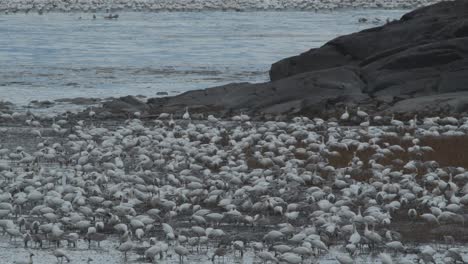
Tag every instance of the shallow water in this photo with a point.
(59, 55)
(107, 253)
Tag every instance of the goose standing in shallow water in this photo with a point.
(355, 237)
(219, 252)
(25, 261)
(345, 259)
(182, 252)
(303, 187)
(126, 247)
(60, 255)
(385, 258)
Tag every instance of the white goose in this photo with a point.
(345, 115)
(361, 113)
(25, 261)
(186, 115)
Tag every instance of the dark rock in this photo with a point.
(328, 56)
(124, 105)
(310, 92)
(439, 103)
(79, 100)
(41, 104)
(5, 105)
(162, 93)
(418, 63)
(424, 53)
(132, 100)
(438, 22)
(419, 70)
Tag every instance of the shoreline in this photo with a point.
(201, 6)
(325, 163)
(341, 73)
(256, 10)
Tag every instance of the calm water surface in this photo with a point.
(60, 55)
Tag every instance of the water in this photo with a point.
(59, 55)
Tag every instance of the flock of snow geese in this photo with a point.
(43, 6)
(286, 192)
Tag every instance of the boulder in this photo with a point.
(310, 92)
(5, 105)
(442, 21)
(437, 67)
(123, 105)
(439, 103)
(41, 104)
(79, 100)
(416, 64)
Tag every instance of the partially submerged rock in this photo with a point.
(304, 92)
(5, 105)
(410, 65)
(41, 104)
(80, 100)
(423, 56)
(124, 105)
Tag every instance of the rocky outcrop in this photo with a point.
(123, 106)
(422, 32)
(431, 104)
(407, 65)
(308, 91)
(5, 105)
(424, 54)
(79, 100)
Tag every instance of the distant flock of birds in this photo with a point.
(45, 6)
(177, 187)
